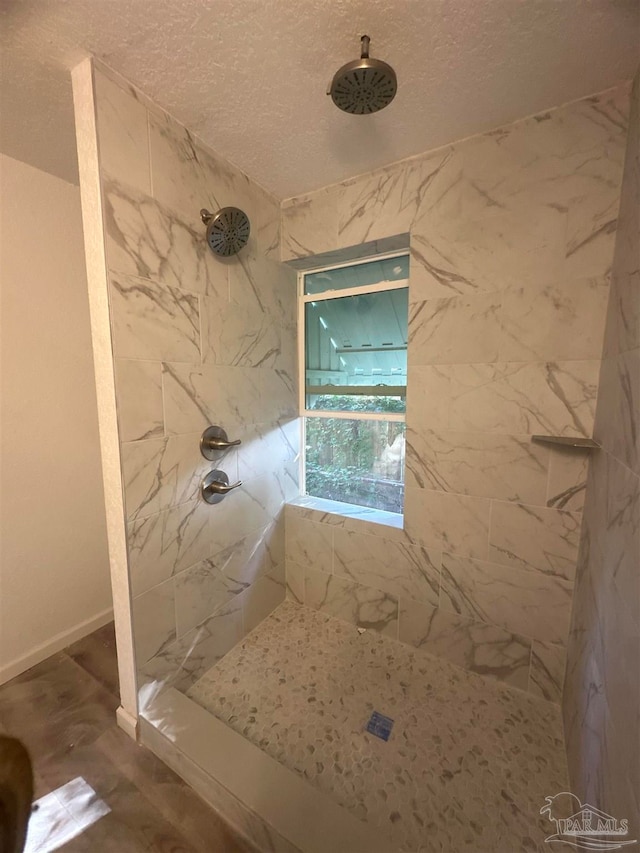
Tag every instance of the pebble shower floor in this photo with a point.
(468, 763)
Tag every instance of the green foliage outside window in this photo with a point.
(356, 461)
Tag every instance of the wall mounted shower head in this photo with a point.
(227, 230)
(365, 85)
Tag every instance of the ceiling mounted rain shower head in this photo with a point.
(227, 230)
(365, 85)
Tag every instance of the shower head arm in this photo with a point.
(364, 50)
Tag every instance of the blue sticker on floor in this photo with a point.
(380, 726)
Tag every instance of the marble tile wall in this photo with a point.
(197, 340)
(602, 686)
(512, 239)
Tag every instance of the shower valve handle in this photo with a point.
(215, 486)
(222, 488)
(221, 444)
(214, 441)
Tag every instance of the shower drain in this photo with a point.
(380, 726)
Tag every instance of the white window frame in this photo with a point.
(303, 299)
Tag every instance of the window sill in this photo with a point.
(361, 513)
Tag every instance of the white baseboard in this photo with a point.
(55, 644)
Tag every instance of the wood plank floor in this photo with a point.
(63, 710)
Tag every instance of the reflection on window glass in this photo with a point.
(356, 352)
(356, 461)
(373, 272)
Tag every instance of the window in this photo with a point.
(353, 384)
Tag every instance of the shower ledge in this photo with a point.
(582, 443)
(362, 513)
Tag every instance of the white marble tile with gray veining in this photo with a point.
(351, 602)
(507, 467)
(428, 396)
(388, 201)
(626, 253)
(257, 283)
(561, 320)
(568, 469)
(151, 241)
(185, 176)
(476, 646)
(623, 526)
(188, 176)
(123, 133)
(622, 332)
(547, 670)
(154, 321)
(395, 244)
(551, 398)
(568, 155)
(195, 397)
(385, 202)
(260, 552)
(153, 621)
(623, 318)
(309, 543)
(267, 446)
(266, 224)
(618, 406)
(538, 538)
(200, 591)
(139, 399)
(595, 513)
(233, 335)
(310, 224)
(614, 543)
(163, 544)
(165, 472)
(455, 330)
(465, 241)
(360, 519)
(398, 568)
(261, 598)
(288, 480)
(501, 217)
(591, 232)
(584, 695)
(183, 661)
(523, 602)
(294, 575)
(252, 507)
(454, 523)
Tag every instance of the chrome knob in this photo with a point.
(214, 442)
(215, 487)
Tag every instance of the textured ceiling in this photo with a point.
(250, 76)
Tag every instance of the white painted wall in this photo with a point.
(54, 568)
